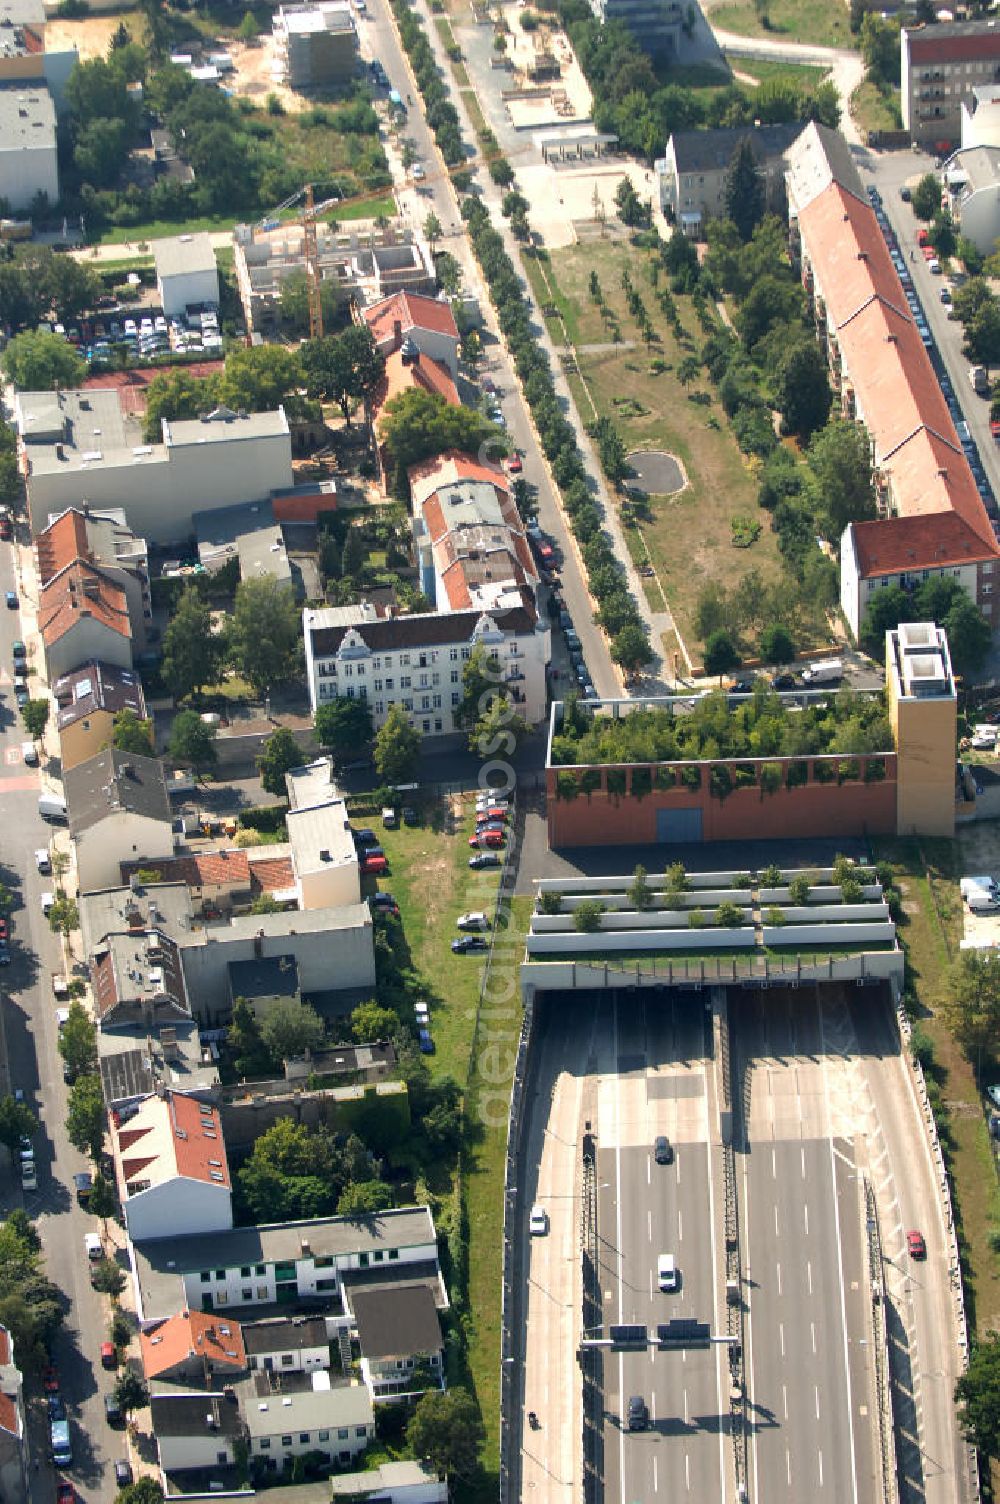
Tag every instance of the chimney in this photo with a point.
(258, 945)
(397, 333)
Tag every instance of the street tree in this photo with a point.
(145, 1490)
(969, 298)
(397, 747)
(42, 362)
(942, 234)
(281, 754)
(78, 1041)
(17, 1121)
(482, 683)
(131, 1391)
(35, 715)
(191, 653)
(982, 335)
(343, 727)
(445, 1430)
(743, 192)
(841, 477)
(176, 394)
(362, 1198)
(30, 1305)
(498, 731)
(107, 1278)
(977, 1394)
(343, 368)
(969, 635)
(85, 1116)
(262, 634)
(370, 1021)
(925, 200)
(290, 1028)
(776, 645)
(102, 1202)
(721, 654)
(131, 733)
(64, 916)
(630, 648)
(192, 741)
(432, 230)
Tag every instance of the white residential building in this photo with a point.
(417, 661)
(119, 811)
(336, 1420)
(196, 1431)
(28, 158)
(981, 117)
(428, 322)
(81, 446)
(171, 1168)
(392, 1483)
(186, 273)
(324, 856)
(290, 1344)
(972, 178)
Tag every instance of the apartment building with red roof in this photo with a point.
(102, 538)
(83, 617)
(171, 1168)
(193, 1345)
(932, 520)
(428, 323)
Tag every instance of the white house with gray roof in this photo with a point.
(186, 273)
(335, 1419)
(119, 811)
(28, 160)
(972, 178)
(692, 172)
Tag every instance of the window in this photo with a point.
(437, 701)
(453, 654)
(377, 686)
(404, 660)
(394, 1253)
(455, 699)
(342, 1433)
(424, 681)
(388, 684)
(265, 1443)
(376, 663)
(435, 678)
(286, 1441)
(326, 1262)
(304, 1437)
(378, 1256)
(466, 654)
(425, 727)
(454, 676)
(348, 670)
(407, 704)
(425, 702)
(246, 1293)
(205, 1276)
(405, 681)
(245, 1272)
(261, 1292)
(221, 1298)
(361, 1430)
(380, 707)
(437, 724)
(287, 1359)
(350, 691)
(222, 1458)
(362, 692)
(220, 1273)
(322, 1435)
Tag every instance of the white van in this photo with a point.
(829, 672)
(29, 754)
(92, 1243)
(666, 1272)
(980, 884)
(52, 807)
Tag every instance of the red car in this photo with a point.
(485, 816)
(374, 864)
(3, 930)
(515, 465)
(492, 838)
(108, 1356)
(916, 1245)
(50, 1380)
(65, 1493)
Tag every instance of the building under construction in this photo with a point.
(362, 261)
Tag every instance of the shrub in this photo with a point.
(590, 780)
(798, 889)
(743, 880)
(797, 775)
(616, 781)
(720, 782)
(922, 1048)
(691, 778)
(587, 916)
(665, 778)
(549, 902)
(696, 919)
(770, 877)
(728, 916)
(567, 786)
(774, 916)
(770, 778)
(642, 782)
(677, 879)
(851, 890)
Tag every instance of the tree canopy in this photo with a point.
(295, 1173)
(344, 368)
(445, 1430)
(417, 424)
(85, 1115)
(262, 633)
(78, 1041)
(192, 741)
(743, 190)
(30, 1304)
(343, 726)
(842, 476)
(290, 1028)
(397, 747)
(191, 654)
(281, 754)
(130, 733)
(41, 362)
(977, 1394)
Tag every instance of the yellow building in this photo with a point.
(923, 711)
(87, 701)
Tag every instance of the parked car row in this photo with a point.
(152, 335)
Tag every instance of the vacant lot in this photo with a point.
(432, 883)
(875, 110)
(688, 536)
(816, 21)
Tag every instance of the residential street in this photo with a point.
(32, 1062)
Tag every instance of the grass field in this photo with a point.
(217, 224)
(928, 878)
(432, 883)
(772, 70)
(875, 111)
(655, 411)
(814, 21)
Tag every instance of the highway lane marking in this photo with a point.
(649, 1224)
(687, 1471)
(843, 1294)
(805, 1212)
(809, 1274)
(788, 1466)
(680, 1226)
(802, 1162)
(778, 1267)
(775, 1220)
(686, 1420)
(820, 1455)
(784, 1400)
(781, 1336)
(812, 1332)
(816, 1394)
(774, 1164)
(656, 1479)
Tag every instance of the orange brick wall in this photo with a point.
(814, 809)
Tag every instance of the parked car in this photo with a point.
(57, 1410)
(365, 837)
(493, 838)
(410, 815)
(11, 600)
(123, 1473)
(65, 1492)
(374, 866)
(18, 650)
(50, 1379)
(43, 861)
(383, 901)
(109, 1358)
(783, 682)
(466, 943)
(515, 464)
(484, 859)
(112, 1410)
(474, 920)
(915, 1244)
(425, 1042)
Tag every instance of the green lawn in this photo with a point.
(876, 110)
(772, 70)
(432, 883)
(655, 411)
(826, 25)
(156, 229)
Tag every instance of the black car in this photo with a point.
(112, 1410)
(742, 687)
(383, 901)
(365, 837)
(410, 815)
(57, 1410)
(469, 942)
(783, 682)
(485, 859)
(663, 1150)
(637, 1416)
(123, 1473)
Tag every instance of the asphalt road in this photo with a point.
(809, 1388)
(435, 194)
(33, 1063)
(658, 1083)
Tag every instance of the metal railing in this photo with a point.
(756, 971)
(591, 1360)
(734, 1280)
(880, 1347)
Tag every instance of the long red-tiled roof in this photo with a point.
(192, 1334)
(445, 469)
(411, 310)
(897, 395)
(195, 1146)
(898, 545)
(60, 543)
(272, 874)
(77, 592)
(202, 869)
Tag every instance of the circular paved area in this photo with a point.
(656, 473)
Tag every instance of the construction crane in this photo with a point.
(310, 250)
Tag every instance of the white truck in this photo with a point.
(980, 893)
(831, 671)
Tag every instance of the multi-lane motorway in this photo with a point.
(824, 1100)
